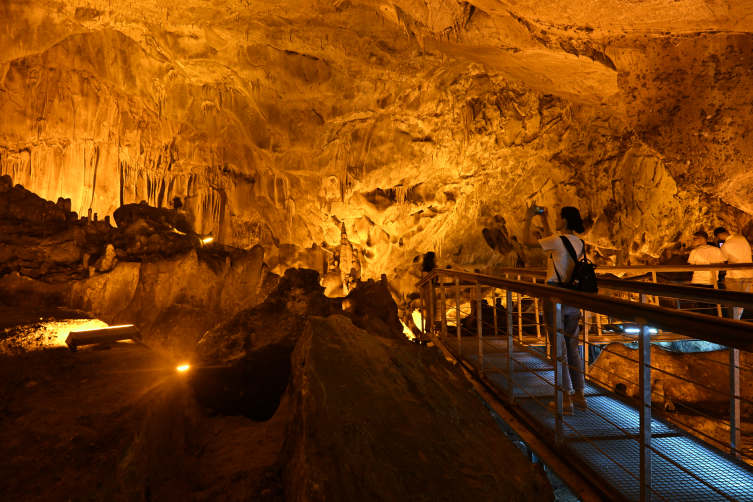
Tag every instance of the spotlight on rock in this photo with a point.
(102, 335)
(207, 240)
(183, 368)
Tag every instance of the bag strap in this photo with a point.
(559, 279)
(570, 248)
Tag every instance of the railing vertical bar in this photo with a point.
(432, 307)
(422, 292)
(734, 401)
(536, 310)
(718, 307)
(598, 324)
(510, 360)
(558, 328)
(644, 382)
(479, 328)
(520, 317)
(494, 303)
(457, 313)
(444, 310)
(585, 342)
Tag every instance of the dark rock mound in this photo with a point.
(371, 420)
(245, 362)
(371, 307)
(21, 204)
(158, 219)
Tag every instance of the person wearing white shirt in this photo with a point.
(736, 249)
(704, 254)
(561, 263)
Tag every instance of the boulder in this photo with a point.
(245, 362)
(374, 420)
(373, 309)
(107, 261)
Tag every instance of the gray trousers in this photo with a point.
(574, 378)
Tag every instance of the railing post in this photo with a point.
(718, 307)
(432, 307)
(444, 311)
(520, 317)
(479, 328)
(536, 309)
(510, 360)
(457, 313)
(422, 292)
(644, 383)
(558, 328)
(494, 302)
(734, 401)
(585, 343)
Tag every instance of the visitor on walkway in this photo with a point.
(560, 263)
(736, 250)
(705, 254)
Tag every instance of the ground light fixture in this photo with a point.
(183, 368)
(102, 335)
(207, 240)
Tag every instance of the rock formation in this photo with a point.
(414, 125)
(245, 362)
(710, 370)
(374, 420)
(170, 285)
(368, 415)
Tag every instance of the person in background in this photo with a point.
(736, 249)
(704, 254)
(569, 221)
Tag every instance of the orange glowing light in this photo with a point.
(183, 368)
(207, 240)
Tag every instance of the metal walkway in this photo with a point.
(695, 471)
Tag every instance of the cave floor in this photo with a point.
(77, 426)
(601, 436)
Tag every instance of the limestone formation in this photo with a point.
(412, 125)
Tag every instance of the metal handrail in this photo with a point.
(732, 333)
(686, 292)
(617, 269)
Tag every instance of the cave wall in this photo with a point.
(416, 125)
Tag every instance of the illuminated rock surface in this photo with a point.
(171, 286)
(416, 124)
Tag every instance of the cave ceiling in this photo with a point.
(415, 124)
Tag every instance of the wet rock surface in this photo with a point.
(374, 420)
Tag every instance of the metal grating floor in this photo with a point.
(606, 447)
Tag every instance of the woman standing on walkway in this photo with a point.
(559, 269)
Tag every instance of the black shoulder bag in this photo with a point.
(584, 274)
